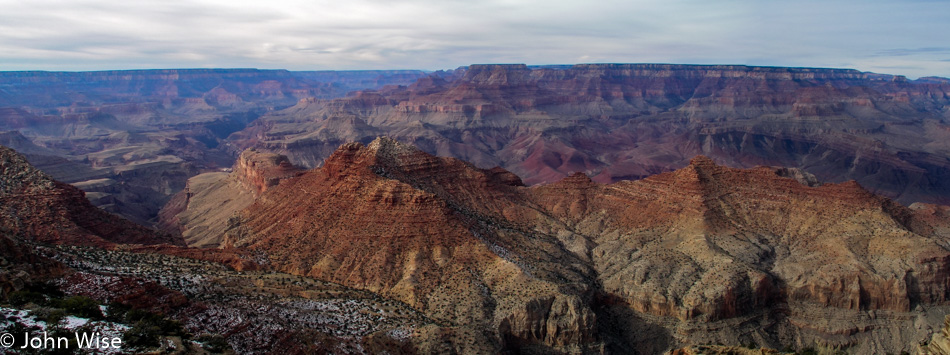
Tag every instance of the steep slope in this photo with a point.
(627, 121)
(708, 244)
(375, 218)
(40, 209)
(20, 266)
(706, 254)
(132, 138)
(200, 213)
(940, 343)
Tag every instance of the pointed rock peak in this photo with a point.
(343, 157)
(383, 152)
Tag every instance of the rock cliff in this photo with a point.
(382, 217)
(200, 213)
(148, 131)
(40, 209)
(939, 344)
(704, 254)
(628, 121)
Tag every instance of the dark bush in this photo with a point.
(20, 298)
(83, 307)
(142, 336)
(52, 317)
(117, 312)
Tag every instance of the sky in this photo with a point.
(908, 37)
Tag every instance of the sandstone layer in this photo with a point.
(627, 121)
(37, 208)
(702, 255)
(132, 138)
(202, 211)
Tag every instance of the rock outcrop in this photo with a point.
(391, 219)
(20, 267)
(939, 344)
(260, 171)
(39, 209)
(702, 255)
(618, 122)
(201, 212)
(149, 131)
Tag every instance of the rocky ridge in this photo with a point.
(132, 138)
(417, 246)
(201, 212)
(705, 254)
(628, 121)
(40, 209)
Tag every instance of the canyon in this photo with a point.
(131, 139)
(627, 121)
(591, 208)
(705, 254)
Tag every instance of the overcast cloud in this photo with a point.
(896, 37)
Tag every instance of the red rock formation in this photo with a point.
(37, 208)
(21, 266)
(714, 227)
(260, 171)
(200, 213)
(700, 245)
(391, 219)
(627, 121)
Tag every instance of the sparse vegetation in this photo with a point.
(256, 308)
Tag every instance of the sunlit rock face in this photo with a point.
(628, 121)
(721, 255)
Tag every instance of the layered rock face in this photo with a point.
(940, 343)
(40, 209)
(260, 171)
(705, 254)
(710, 245)
(628, 121)
(835, 245)
(147, 132)
(200, 213)
(131, 139)
(380, 217)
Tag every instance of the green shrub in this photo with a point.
(117, 312)
(142, 335)
(53, 317)
(81, 306)
(23, 297)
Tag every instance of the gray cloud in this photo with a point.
(899, 52)
(431, 34)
